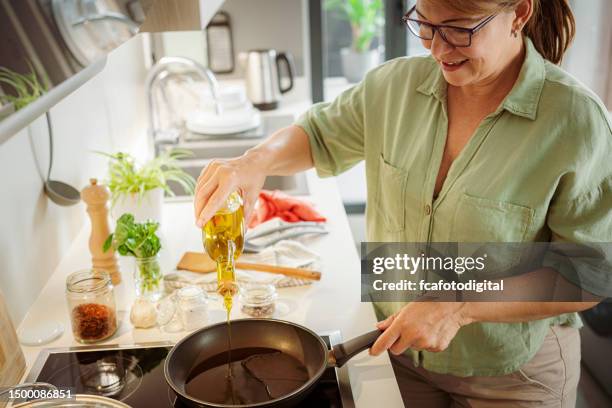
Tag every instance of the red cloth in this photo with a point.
(278, 204)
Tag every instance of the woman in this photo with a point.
(484, 140)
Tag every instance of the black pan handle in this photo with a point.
(343, 352)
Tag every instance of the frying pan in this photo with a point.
(290, 338)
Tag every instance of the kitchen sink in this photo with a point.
(231, 145)
(206, 148)
(293, 185)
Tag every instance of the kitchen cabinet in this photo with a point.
(184, 15)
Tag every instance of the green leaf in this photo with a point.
(27, 87)
(108, 243)
(365, 17)
(125, 177)
(135, 239)
(332, 4)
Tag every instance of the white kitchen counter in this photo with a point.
(331, 304)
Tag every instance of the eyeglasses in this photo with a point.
(455, 36)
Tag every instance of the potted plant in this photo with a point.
(27, 88)
(365, 17)
(139, 190)
(140, 241)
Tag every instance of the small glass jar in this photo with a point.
(192, 307)
(91, 302)
(148, 279)
(258, 299)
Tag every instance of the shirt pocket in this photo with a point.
(482, 220)
(390, 200)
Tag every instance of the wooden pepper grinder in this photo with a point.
(96, 196)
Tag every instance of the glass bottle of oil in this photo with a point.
(223, 237)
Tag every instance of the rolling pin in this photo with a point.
(201, 263)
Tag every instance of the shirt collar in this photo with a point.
(524, 97)
(434, 84)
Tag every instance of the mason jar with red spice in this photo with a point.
(91, 303)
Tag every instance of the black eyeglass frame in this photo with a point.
(436, 28)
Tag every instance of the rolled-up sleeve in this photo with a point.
(336, 131)
(581, 248)
(580, 219)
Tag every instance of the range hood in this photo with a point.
(181, 15)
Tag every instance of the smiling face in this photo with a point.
(492, 48)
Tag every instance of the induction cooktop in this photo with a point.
(135, 375)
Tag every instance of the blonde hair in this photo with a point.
(551, 27)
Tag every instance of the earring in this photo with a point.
(514, 33)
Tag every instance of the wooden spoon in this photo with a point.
(201, 263)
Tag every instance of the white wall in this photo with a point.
(107, 113)
(267, 24)
(590, 56)
(277, 24)
(190, 44)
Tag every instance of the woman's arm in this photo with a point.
(283, 153)
(510, 312)
(335, 130)
(432, 325)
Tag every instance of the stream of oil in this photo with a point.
(258, 375)
(227, 290)
(223, 237)
(227, 301)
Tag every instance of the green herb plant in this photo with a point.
(125, 177)
(27, 87)
(140, 241)
(365, 16)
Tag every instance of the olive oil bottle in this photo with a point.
(223, 237)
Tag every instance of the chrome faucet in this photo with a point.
(161, 70)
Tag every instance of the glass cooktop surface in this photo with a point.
(135, 376)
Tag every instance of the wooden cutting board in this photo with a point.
(12, 361)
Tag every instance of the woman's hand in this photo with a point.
(426, 326)
(223, 176)
(284, 153)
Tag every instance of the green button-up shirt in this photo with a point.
(537, 169)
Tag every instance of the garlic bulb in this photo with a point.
(143, 314)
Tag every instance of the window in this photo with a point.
(350, 37)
